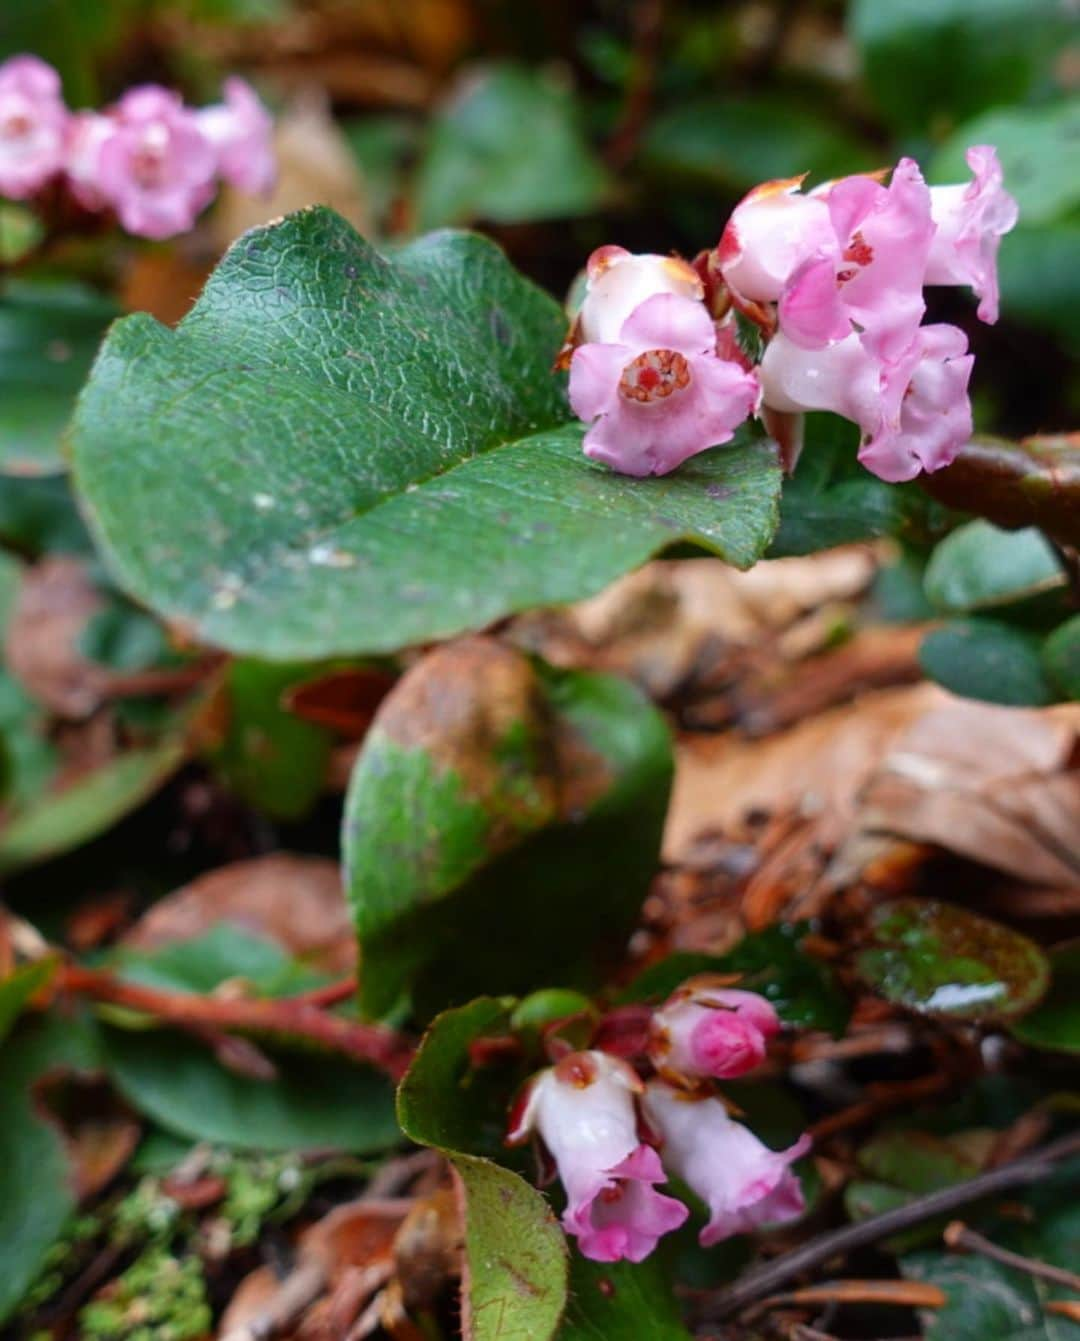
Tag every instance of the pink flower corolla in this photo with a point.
(87, 133)
(660, 393)
(240, 130)
(743, 1183)
(33, 123)
(618, 281)
(156, 168)
(914, 413)
(708, 1031)
(772, 231)
(971, 220)
(583, 1109)
(869, 277)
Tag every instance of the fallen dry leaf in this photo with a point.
(55, 601)
(98, 1131)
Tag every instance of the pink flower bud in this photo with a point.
(914, 413)
(156, 168)
(33, 121)
(742, 1182)
(660, 394)
(706, 1031)
(241, 130)
(583, 1110)
(772, 231)
(971, 221)
(618, 282)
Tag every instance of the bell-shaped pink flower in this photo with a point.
(87, 133)
(660, 394)
(583, 1109)
(618, 281)
(914, 413)
(772, 231)
(708, 1031)
(742, 1182)
(241, 131)
(971, 220)
(33, 122)
(157, 168)
(870, 278)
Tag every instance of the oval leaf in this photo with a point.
(939, 959)
(988, 660)
(979, 566)
(1055, 1023)
(352, 454)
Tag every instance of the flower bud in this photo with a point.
(618, 282)
(707, 1031)
(33, 123)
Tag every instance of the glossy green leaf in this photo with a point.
(1061, 657)
(622, 1301)
(989, 660)
(515, 1283)
(485, 773)
(1039, 149)
(740, 141)
(49, 334)
(273, 759)
(940, 959)
(225, 952)
(1054, 1024)
(350, 455)
(979, 566)
(37, 1186)
(19, 986)
(507, 147)
(928, 62)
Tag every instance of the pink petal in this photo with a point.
(670, 321)
(595, 371)
(812, 312)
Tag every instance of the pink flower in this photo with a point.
(743, 1183)
(241, 129)
(33, 120)
(660, 394)
(971, 221)
(914, 413)
(705, 1030)
(583, 1109)
(156, 169)
(87, 132)
(870, 277)
(619, 281)
(771, 232)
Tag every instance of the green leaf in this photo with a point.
(39, 516)
(19, 986)
(313, 1103)
(515, 1283)
(351, 455)
(222, 953)
(37, 1185)
(507, 147)
(1054, 1024)
(622, 1301)
(20, 232)
(124, 638)
(55, 823)
(739, 141)
(273, 759)
(1061, 657)
(979, 566)
(1039, 273)
(484, 772)
(929, 62)
(940, 959)
(1039, 149)
(49, 334)
(989, 660)
(803, 989)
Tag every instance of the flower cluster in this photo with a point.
(833, 279)
(149, 158)
(615, 1130)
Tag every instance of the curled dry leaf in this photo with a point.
(55, 601)
(296, 901)
(98, 1132)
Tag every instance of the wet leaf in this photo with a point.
(979, 566)
(485, 772)
(988, 660)
(309, 502)
(940, 959)
(1054, 1024)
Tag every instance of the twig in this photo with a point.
(767, 1279)
(296, 1017)
(959, 1236)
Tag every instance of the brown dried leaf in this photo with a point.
(99, 1133)
(343, 701)
(55, 601)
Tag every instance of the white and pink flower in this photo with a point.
(33, 125)
(772, 231)
(584, 1111)
(659, 393)
(706, 1031)
(241, 132)
(618, 281)
(743, 1183)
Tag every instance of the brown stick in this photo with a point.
(959, 1236)
(765, 1280)
(297, 1016)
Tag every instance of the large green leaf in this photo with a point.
(622, 1301)
(501, 827)
(351, 454)
(514, 1286)
(49, 334)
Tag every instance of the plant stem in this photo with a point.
(959, 1236)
